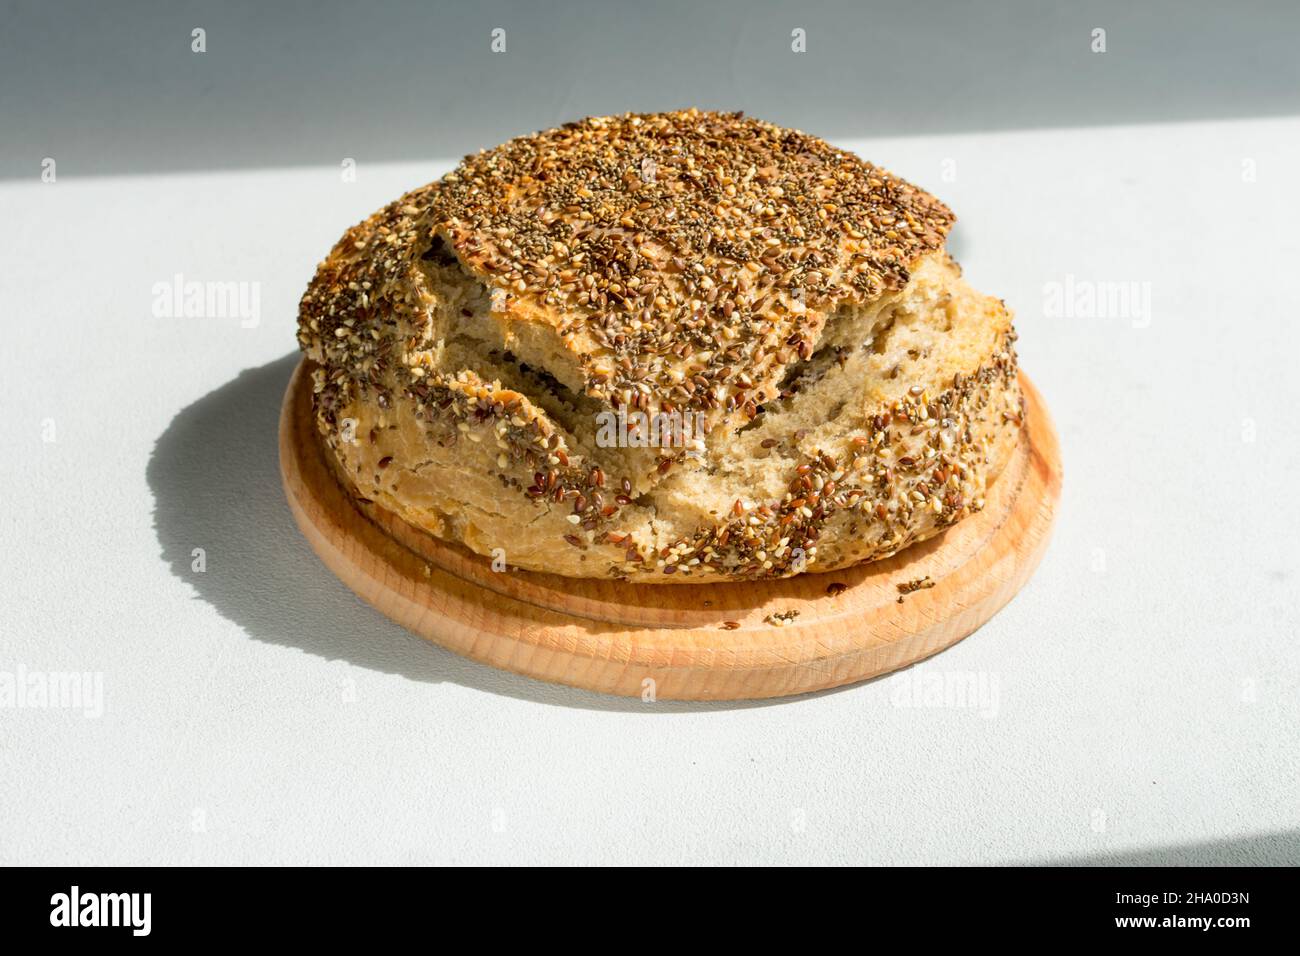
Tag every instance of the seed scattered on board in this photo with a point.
(907, 587)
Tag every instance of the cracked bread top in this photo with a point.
(668, 261)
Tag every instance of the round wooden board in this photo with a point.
(617, 638)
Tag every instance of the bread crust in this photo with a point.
(493, 349)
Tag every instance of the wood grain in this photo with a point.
(632, 639)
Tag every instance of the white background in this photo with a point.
(1146, 679)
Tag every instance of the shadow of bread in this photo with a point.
(216, 485)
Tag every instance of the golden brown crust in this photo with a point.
(681, 259)
(674, 252)
(690, 263)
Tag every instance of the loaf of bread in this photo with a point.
(670, 347)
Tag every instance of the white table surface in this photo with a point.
(1146, 679)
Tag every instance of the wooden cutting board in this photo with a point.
(682, 641)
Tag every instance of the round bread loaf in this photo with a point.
(671, 347)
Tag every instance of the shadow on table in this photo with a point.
(1269, 849)
(215, 478)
